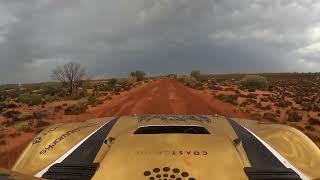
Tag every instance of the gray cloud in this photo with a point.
(159, 36)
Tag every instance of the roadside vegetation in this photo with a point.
(292, 99)
(29, 108)
(285, 98)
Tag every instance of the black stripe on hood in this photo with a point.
(79, 164)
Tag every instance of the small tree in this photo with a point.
(254, 82)
(196, 74)
(70, 75)
(140, 75)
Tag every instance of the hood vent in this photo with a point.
(171, 130)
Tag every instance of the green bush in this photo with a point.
(11, 114)
(256, 116)
(309, 127)
(8, 104)
(23, 117)
(50, 98)
(40, 114)
(24, 127)
(254, 82)
(112, 82)
(93, 100)
(76, 109)
(188, 80)
(125, 84)
(270, 116)
(77, 95)
(196, 74)
(313, 121)
(228, 98)
(294, 117)
(30, 99)
(3, 106)
(140, 75)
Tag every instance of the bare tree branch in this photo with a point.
(70, 75)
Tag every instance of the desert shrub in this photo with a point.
(76, 95)
(24, 127)
(256, 116)
(125, 84)
(11, 114)
(7, 122)
(260, 106)
(248, 102)
(51, 98)
(36, 123)
(30, 99)
(254, 82)
(316, 107)
(7, 104)
(313, 121)
(76, 109)
(204, 78)
(12, 104)
(140, 75)
(112, 82)
(52, 89)
(58, 108)
(319, 114)
(215, 87)
(283, 103)
(309, 127)
(40, 114)
(3, 104)
(228, 98)
(294, 116)
(23, 117)
(307, 106)
(134, 79)
(93, 100)
(270, 116)
(188, 80)
(196, 74)
(251, 95)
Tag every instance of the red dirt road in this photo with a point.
(165, 96)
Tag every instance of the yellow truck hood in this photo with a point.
(144, 147)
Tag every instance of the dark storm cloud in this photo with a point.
(158, 36)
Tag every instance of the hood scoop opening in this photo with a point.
(171, 130)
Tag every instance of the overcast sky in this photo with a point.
(114, 37)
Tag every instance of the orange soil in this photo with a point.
(165, 96)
